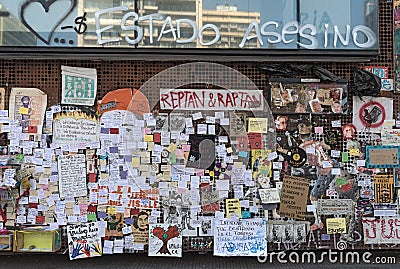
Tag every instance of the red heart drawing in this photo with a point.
(48, 14)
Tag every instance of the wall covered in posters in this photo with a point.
(151, 172)
(165, 178)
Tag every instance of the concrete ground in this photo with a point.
(193, 260)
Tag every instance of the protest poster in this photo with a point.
(381, 230)
(79, 85)
(28, 106)
(72, 175)
(140, 226)
(294, 197)
(165, 240)
(383, 188)
(245, 237)
(75, 127)
(206, 99)
(84, 240)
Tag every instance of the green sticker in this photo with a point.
(340, 181)
(91, 217)
(345, 156)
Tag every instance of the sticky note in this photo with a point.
(23, 110)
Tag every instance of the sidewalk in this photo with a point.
(189, 260)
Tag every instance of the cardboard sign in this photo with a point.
(294, 197)
(382, 156)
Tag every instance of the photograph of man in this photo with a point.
(337, 107)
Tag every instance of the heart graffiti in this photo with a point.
(48, 12)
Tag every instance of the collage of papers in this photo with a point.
(128, 178)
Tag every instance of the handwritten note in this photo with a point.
(239, 237)
(72, 175)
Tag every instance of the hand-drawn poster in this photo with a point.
(381, 230)
(115, 223)
(244, 237)
(237, 125)
(72, 175)
(207, 226)
(84, 240)
(140, 227)
(79, 85)
(383, 188)
(28, 106)
(209, 199)
(371, 112)
(259, 162)
(75, 127)
(202, 151)
(165, 240)
(294, 197)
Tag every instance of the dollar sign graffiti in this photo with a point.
(80, 21)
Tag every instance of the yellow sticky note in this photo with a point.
(23, 110)
(171, 147)
(258, 125)
(336, 225)
(354, 152)
(135, 161)
(148, 138)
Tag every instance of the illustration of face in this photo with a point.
(337, 108)
(142, 221)
(349, 131)
(281, 123)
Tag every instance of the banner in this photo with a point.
(246, 237)
(209, 99)
(381, 231)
